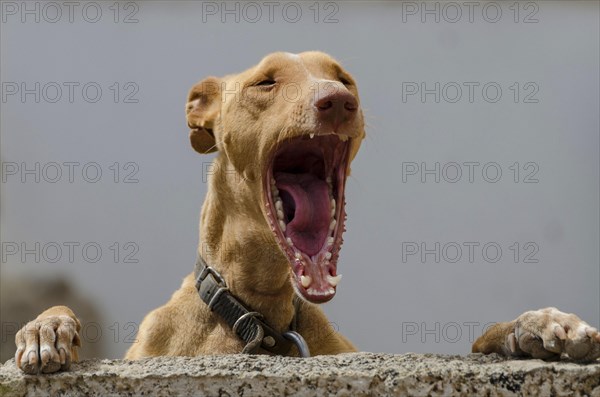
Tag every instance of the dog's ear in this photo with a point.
(202, 109)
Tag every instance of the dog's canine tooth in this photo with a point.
(334, 281)
(282, 226)
(305, 281)
(312, 135)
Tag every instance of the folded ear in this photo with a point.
(202, 109)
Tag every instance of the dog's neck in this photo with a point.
(236, 241)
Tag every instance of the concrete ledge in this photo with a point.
(359, 374)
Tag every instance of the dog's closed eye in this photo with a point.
(345, 81)
(265, 82)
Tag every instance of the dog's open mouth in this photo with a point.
(304, 189)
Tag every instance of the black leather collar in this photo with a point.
(247, 324)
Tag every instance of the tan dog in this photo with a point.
(271, 226)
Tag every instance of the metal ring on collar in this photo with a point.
(213, 300)
(243, 317)
(299, 342)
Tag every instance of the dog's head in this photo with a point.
(293, 123)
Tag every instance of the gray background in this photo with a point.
(383, 303)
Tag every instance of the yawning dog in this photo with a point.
(271, 228)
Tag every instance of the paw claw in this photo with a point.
(51, 367)
(560, 332)
(30, 369)
(63, 356)
(512, 342)
(591, 331)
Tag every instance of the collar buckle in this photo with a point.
(209, 270)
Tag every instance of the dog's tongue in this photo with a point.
(305, 198)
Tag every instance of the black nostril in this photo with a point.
(324, 105)
(350, 106)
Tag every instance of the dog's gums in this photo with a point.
(304, 191)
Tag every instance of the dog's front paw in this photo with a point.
(548, 333)
(47, 344)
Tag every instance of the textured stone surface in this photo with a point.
(360, 374)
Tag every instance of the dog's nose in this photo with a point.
(336, 108)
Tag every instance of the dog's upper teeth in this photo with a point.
(274, 191)
(334, 281)
(330, 240)
(282, 226)
(272, 181)
(298, 255)
(279, 205)
(328, 255)
(305, 281)
(332, 225)
(343, 138)
(312, 135)
(280, 214)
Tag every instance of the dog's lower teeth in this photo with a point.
(298, 255)
(328, 255)
(289, 241)
(330, 240)
(305, 281)
(280, 214)
(282, 226)
(314, 292)
(332, 225)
